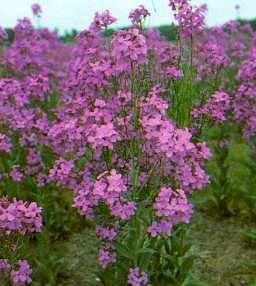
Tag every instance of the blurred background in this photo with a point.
(68, 15)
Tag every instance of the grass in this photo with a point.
(80, 260)
(222, 250)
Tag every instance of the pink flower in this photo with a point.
(5, 143)
(107, 256)
(138, 15)
(36, 9)
(16, 174)
(3, 35)
(106, 233)
(160, 227)
(173, 208)
(215, 108)
(19, 216)
(191, 20)
(137, 277)
(102, 20)
(110, 189)
(61, 171)
(4, 265)
(22, 276)
(173, 73)
(129, 48)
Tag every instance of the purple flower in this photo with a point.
(106, 233)
(215, 108)
(138, 15)
(191, 20)
(62, 172)
(16, 174)
(110, 189)
(173, 207)
(4, 265)
(22, 276)
(36, 9)
(38, 86)
(19, 217)
(102, 20)
(129, 49)
(5, 143)
(107, 256)
(160, 227)
(137, 277)
(173, 73)
(3, 35)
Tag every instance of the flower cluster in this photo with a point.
(16, 173)
(129, 49)
(106, 233)
(5, 143)
(36, 9)
(216, 107)
(211, 50)
(174, 73)
(110, 189)
(22, 276)
(137, 278)
(172, 145)
(138, 15)
(102, 20)
(38, 86)
(93, 117)
(173, 207)
(18, 277)
(4, 265)
(244, 103)
(19, 217)
(191, 20)
(61, 171)
(106, 256)
(3, 35)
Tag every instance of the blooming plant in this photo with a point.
(130, 167)
(17, 218)
(224, 122)
(118, 128)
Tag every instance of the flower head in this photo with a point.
(137, 277)
(36, 9)
(138, 15)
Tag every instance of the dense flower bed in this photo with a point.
(120, 122)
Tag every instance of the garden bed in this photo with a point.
(222, 253)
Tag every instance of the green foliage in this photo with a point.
(168, 259)
(48, 260)
(109, 32)
(250, 236)
(173, 261)
(10, 33)
(233, 185)
(232, 189)
(60, 219)
(252, 22)
(69, 36)
(182, 94)
(169, 31)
